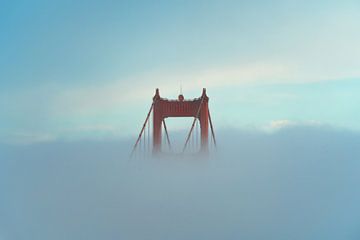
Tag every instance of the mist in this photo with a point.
(296, 183)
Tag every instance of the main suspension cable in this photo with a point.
(142, 130)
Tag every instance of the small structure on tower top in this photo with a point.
(161, 109)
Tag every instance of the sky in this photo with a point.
(77, 79)
(88, 69)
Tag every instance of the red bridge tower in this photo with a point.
(163, 108)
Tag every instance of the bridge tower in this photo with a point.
(163, 108)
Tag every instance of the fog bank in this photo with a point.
(297, 183)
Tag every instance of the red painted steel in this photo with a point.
(164, 108)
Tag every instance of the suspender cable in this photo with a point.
(145, 140)
(167, 135)
(148, 140)
(212, 129)
(144, 143)
(139, 150)
(192, 126)
(192, 142)
(142, 130)
(196, 134)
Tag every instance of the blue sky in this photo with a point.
(88, 69)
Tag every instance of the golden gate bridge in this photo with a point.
(152, 141)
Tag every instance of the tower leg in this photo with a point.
(204, 128)
(157, 123)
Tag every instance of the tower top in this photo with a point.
(180, 98)
(204, 92)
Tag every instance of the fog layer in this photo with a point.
(298, 183)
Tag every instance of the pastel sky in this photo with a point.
(88, 69)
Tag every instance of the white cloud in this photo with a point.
(72, 105)
(116, 94)
(26, 138)
(122, 92)
(280, 124)
(93, 132)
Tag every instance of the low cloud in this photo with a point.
(123, 93)
(27, 138)
(298, 183)
(277, 125)
(119, 93)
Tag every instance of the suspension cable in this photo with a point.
(142, 130)
(212, 129)
(192, 126)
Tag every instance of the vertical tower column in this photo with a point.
(204, 123)
(157, 123)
